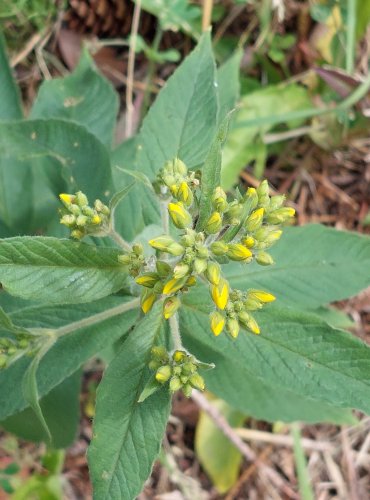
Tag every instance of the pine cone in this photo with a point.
(104, 18)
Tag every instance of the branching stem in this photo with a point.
(119, 240)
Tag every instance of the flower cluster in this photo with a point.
(180, 370)
(239, 230)
(11, 348)
(82, 219)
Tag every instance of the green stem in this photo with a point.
(350, 35)
(175, 332)
(119, 240)
(97, 318)
(300, 461)
(151, 69)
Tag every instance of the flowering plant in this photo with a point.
(168, 263)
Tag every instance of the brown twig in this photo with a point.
(207, 14)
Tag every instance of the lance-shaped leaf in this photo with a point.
(83, 331)
(296, 355)
(59, 271)
(211, 175)
(314, 265)
(85, 97)
(128, 434)
(10, 100)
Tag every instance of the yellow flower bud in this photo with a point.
(179, 215)
(264, 259)
(219, 248)
(213, 273)
(197, 381)
(147, 279)
(263, 189)
(232, 326)
(180, 270)
(174, 188)
(255, 220)
(238, 252)
(280, 215)
(191, 281)
(68, 220)
(200, 265)
(213, 224)
(217, 322)
(67, 199)
(173, 285)
(261, 295)
(170, 306)
(248, 241)
(167, 244)
(179, 356)
(96, 219)
(163, 374)
(249, 322)
(77, 234)
(159, 353)
(184, 194)
(147, 299)
(252, 196)
(220, 293)
(219, 199)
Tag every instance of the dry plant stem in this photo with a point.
(244, 449)
(119, 240)
(282, 440)
(97, 318)
(130, 69)
(207, 14)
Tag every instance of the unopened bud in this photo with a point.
(187, 390)
(261, 295)
(263, 189)
(184, 194)
(239, 252)
(213, 273)
(124, 259)
(81, 220)
(163, 268)
(197, 381)
(179, 356)
(248, 241)
(68, 220)
(159, 353)
(280, 215)
(179, 167)
(220, 293)
(77, 234)
(147, 279)
(217, 322)
(213, 224)
(163, 374)
(173, 285)
(81, 199)
(254, 221)
(219, 248)
(170, 306)
(219, 200)
(167, 244)
(276, 202)
(232, 326)
(264, 259)
(234, 211)
(179, 215)
(199, 265)
(66, 199)
(175, 384)
(96, 219)
(147, 299)
(252, 196)
(181, 270)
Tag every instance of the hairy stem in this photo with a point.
(175, 332)
(97, 318)
(119, 240)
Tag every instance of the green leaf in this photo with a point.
(118, 197)
(61, 412)
(298, 368)
(260, 104)
(228, 84)
(59, 271)
(7, 324)
(85, 97)
(47, 158)
(217, 455)
(128, 434)
(211, 176)
(30, 389)
(315, 265)
(91, 328)
(10, 98)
